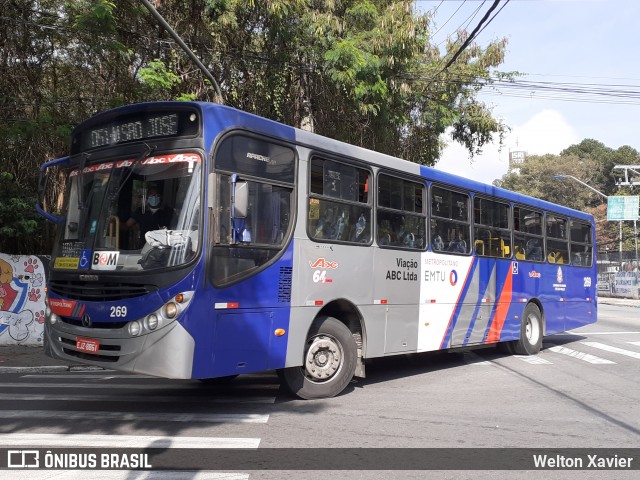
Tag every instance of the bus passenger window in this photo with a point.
(400, 213)
(450, 221)
(557, 241)
(491, 227)
(581, 244)
(338, 208)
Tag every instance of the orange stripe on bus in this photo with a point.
(501, 311)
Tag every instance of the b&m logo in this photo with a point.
(104, 260)
(453, 278)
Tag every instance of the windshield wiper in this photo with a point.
(146, 153)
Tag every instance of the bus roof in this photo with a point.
(228, 117)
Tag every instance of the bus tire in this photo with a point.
(329, 362)
(530, 341)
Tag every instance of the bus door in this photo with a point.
(250, 257)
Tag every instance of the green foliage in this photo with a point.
(361, 71)
(19, 221)
(156, 76)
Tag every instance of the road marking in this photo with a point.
(137, 416)
(611, 349)
(635, 343)
(581, 356)
(124, 475)
(34, 397)
(533, 360)
(582, 334)
(54, 440)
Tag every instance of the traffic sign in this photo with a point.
(623, 207)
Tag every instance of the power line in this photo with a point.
(471, 37)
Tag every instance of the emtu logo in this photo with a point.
(453, 278)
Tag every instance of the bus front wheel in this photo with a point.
(329, 362)
(530, 340)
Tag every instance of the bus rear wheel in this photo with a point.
(530, 341)
(329, 362)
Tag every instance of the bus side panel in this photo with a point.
(325, 273)
(396, 289)
(241, 336)
(449, 290)
(581, 297)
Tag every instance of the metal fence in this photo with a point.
(618, 274)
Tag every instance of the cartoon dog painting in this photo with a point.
(7, 293)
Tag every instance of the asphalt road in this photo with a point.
(581, 391)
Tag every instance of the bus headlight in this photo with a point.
(134, 328)
(161, 317)
(170, 310)
(152, 321)
(53, 318)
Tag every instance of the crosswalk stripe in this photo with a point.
(582, 334)
(581, 355)
(123, 475)
(54, 440)
(533, 360)
(137, 416)
(635, 343)
(155, 386)
(611, 349)
(34, 397)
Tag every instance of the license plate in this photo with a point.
(87, 345)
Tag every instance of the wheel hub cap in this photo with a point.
(323, 358)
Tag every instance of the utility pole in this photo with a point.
(186, 49)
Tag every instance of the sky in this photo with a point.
(578, 41)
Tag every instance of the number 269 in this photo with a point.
(120, 311)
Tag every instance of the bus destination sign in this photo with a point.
(135, 127)
(162, 126)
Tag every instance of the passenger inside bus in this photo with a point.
(152, 215)
(533, 250)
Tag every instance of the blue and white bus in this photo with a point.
(281, 249)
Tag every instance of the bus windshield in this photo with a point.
(131, 214)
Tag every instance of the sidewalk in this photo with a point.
(623, 302)
(27, 358)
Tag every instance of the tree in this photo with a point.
(361, 71)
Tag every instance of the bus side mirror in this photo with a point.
(241, 200)
(43, 181)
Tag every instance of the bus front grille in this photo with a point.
(98, 292)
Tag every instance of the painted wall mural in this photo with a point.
(22, 282)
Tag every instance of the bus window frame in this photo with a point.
(214, 240)
(325, 156)
(424, 214)
(573, 220)
(504, 202)
(543, 246)
(430, 217)
(547, 238)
